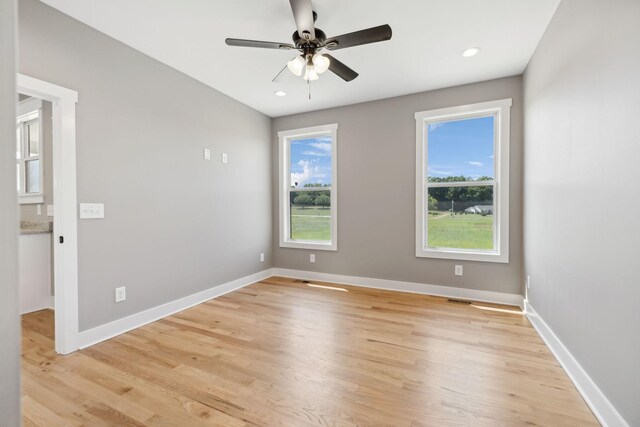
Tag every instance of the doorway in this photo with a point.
(65, 228)
(34, 152)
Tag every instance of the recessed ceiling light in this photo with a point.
(470, 52)
(279, 93)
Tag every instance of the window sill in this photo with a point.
(309, 245)
(462, 255)
(30, 199)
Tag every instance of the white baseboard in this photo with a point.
(48, 304)
(416, 288)
(604, 411)
(109, 330)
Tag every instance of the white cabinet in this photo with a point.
(35, 272)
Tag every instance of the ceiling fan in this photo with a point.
(311, 41)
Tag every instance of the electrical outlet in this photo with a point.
(312, 257)
(207, 154)
(225, 158)
(528, 282)
(121, 294)
(458, 270)
(262, 257)
(49, 210)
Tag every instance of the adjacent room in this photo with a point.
(320, 213)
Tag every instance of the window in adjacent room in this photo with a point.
(29, 153)
(308, 188)
(462, 182)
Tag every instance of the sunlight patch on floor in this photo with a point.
(501, 310)
(327, 287)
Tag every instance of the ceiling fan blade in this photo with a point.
(258, 43)
(303, 15)
(357, 38)
(277, 78)
(341, 70)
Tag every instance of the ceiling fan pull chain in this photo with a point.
(309, 85)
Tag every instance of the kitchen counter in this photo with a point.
(36, 227)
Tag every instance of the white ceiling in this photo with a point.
(424, 53)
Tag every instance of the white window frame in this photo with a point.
(284, 184)
(28, 110)
(501, 110)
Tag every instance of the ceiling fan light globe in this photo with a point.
(311, 73)
(296, 65)
(321, 63)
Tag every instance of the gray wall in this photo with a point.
(175, 224)
(376, 162)
(29, 212)
(582, 104)
(9, 319)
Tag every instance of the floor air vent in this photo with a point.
(458, 301)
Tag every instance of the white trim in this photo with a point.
(602, 408)
(30, 199)
(28, 107)
(47, 306)
(308, 131)
(462, 184)
(412, 287)
(63, 101)
(501, 111)
(285, 187)
(109, 330)
(307, 244)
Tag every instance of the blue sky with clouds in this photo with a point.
(311, 161)
(462, 147)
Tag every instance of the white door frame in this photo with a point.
(65, 225)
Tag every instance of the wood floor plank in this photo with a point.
(282, 353)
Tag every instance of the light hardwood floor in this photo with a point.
(282, 353)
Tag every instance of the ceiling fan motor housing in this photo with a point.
(314, 44)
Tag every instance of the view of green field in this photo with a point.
(310, 223)
(460, 231)
(445, 230)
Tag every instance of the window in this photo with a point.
(29, 152)
(462, 182)
(308, 188)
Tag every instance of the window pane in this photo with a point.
(310, 218)
(460, 148)
(460, 217)
(33, 176)
(310, 161)
(18, 142)
(33, 131)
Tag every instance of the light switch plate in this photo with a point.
(49, 210)
(225, 158)
(207, 154)
(91, 210)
